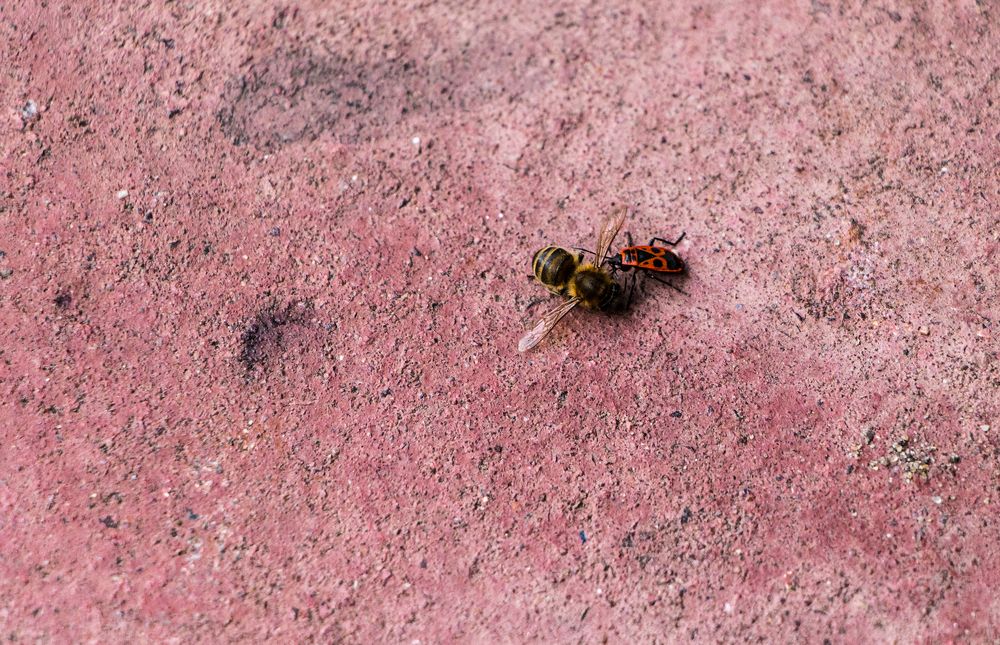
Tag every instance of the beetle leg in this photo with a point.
(671, 285)
(653, 241)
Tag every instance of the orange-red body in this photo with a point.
(649, 258)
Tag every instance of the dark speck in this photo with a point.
(386, 392)
(686, 515)
(676, 414)
(109, 522)
(274, 232)
(63, 300)
(583, 537)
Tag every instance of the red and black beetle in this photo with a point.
(649, 257)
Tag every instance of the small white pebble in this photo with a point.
(937, 499)
(121, 194)
(727, 608)
(500, 215)
(924, 330)
(985, 427)
(416, 141)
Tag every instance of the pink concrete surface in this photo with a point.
(263, 274)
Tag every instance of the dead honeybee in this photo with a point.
(584, 283)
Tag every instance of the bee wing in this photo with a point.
(609, 230)
(545, 324)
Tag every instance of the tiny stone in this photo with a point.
(121, 194)
(924, 330)
(6, 273)
(937, 499)
(29, 111)
(985, 427)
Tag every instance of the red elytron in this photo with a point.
(652, 258)
(649, 257)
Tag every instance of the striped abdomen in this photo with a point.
(553, 266)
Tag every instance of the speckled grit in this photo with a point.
(263, 268)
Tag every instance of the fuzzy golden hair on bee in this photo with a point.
(588, 284)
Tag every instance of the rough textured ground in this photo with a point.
(262, 274)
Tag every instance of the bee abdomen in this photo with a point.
(553, 266)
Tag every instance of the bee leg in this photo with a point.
(534, 302)
(577, 248)
(631, 291)
(653, 241)
(669, 284)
